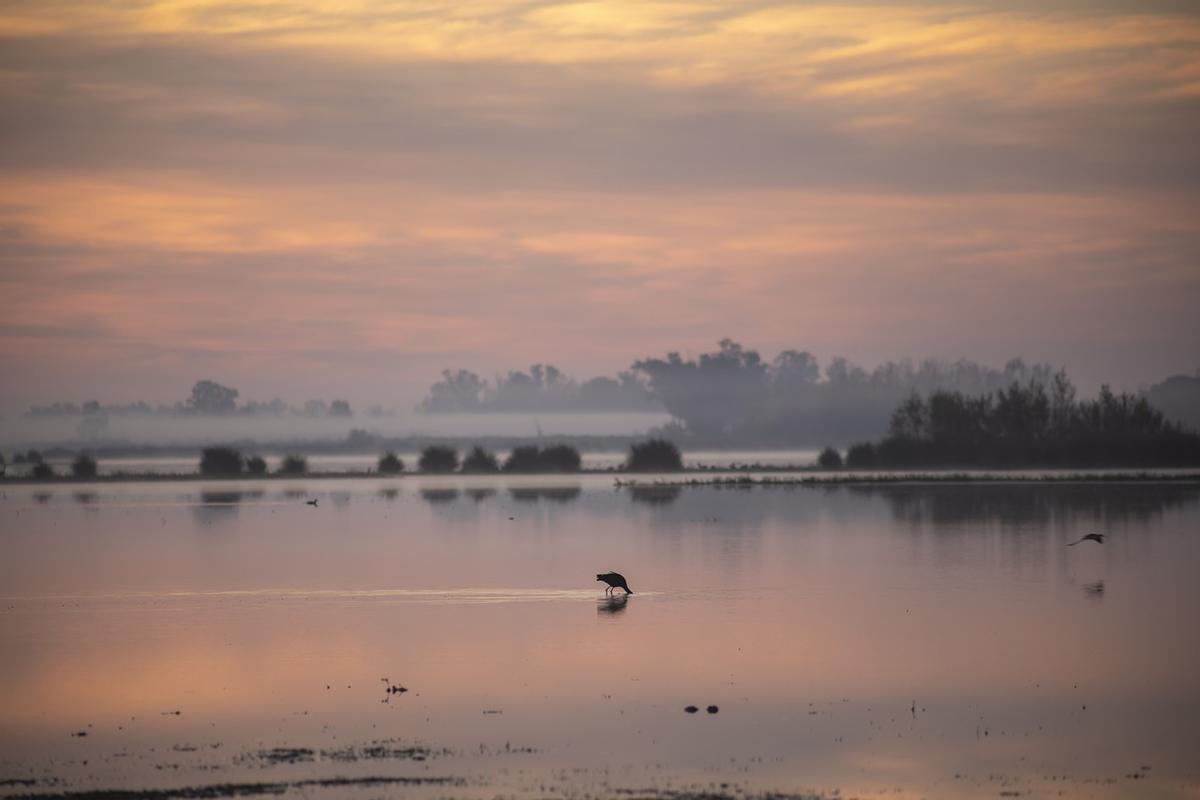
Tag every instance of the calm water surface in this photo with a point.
(899, 641)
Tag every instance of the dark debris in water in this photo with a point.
(223, 790)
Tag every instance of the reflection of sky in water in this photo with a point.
(861, 638)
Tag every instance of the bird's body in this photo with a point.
(615, 580)
(1091, 537)
(312, 502)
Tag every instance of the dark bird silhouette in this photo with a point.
(312, 502)
(1091, 537)
(615, 580)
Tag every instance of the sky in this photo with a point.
(342, 198)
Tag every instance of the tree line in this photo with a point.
(1032, 424)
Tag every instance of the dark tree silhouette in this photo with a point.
(1032, 424)
(84, 466)
(438, 458)
(829, 459)
(522, 459)
(480, 461)
(340, 408)
(256, 465)
(390, 464)
(556, 458)
(42, 471)
(220, 461)
(293, 464)
(210, 397)
(457, 392)
(654, 455)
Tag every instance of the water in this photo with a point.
(911, 640)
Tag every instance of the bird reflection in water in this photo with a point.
(1095, 589)
(612, 604)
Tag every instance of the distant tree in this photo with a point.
(316, 408)
(829, 459)
(560, 458)
(861, 456)
(654, 455)
(716, 394)
(28, 457)
(340, 408)
(293, 464)
(522, 459)
(457, 392)
(210, 397)
(42, 471)
(220, 461)
(480, 461)
(84, 466)
(438, 459)
(3, 466)
(555, 458)
(256, 465)
(390, 464)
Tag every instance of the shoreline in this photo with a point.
(732, 477)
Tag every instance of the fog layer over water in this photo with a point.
(941, 640)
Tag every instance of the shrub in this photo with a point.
(42, 471)
(480, 460)
(293, 465)
(829, 459)
(256, 465)
(560, 458)
(522, 459)
(654, 455)
(84, 466)
(438, 458)
(861, 456)
(220, 461)
(390, 463)
(556, 458)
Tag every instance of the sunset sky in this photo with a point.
(341, 198)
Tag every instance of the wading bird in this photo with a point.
(1091, 537)
(615, 580)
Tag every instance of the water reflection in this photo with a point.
(217, 506)
(389, 494)
(655, 495)
(480, 494)
(554, 494)
(612, 604)
(1030, 504)
(84, 498)
(439, 496)
(1094, 589)
(42, 497)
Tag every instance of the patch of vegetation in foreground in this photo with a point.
(221, 790)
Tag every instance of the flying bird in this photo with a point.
(312, 502)
(1091, 537)
(615, 580)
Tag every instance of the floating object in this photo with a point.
(1091, 537)
(712, 709)
(615, 580)
(691, 709)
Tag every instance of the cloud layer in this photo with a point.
(288, 195)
